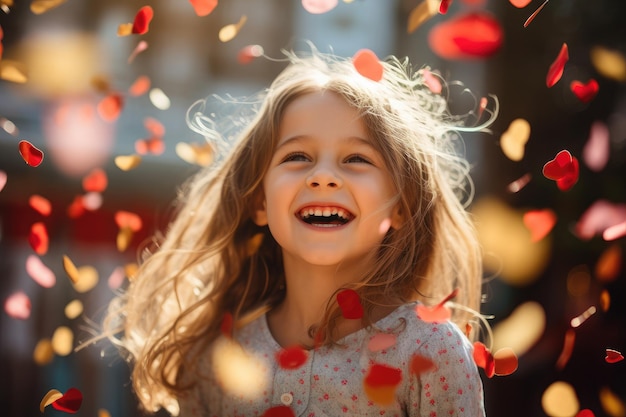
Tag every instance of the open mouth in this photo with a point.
(325, 216)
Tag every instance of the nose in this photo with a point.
(324, 177)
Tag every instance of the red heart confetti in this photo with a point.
(18, 306)
(555, 72)
(585, 92)
(381, 382)
(126, 219)
(227, 325)
(613, 356)
(279, 411)
(585, 413)
(539, 222)
(438, 313)
(140, 87)
(444, 6)
(96, 181)
(141, 24)
(76, 208)
(110, 107)
(319, 6)
(203, 7)
(421, 364)
(31, 155)
(38, 238)
(563, 169)
(40, 204)
(39, 272)
(484, 359)
(291, 357)
(350, 304)
(368, 65)
(249, 53)
(505, 361)
(70, 402)
(469, 36)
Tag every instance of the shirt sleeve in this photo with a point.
(452, 388)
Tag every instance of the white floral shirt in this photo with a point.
(246, 379)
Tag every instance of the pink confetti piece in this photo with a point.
(438, 313)
(3, 179)
(141, 24)
(614, 232)
(600, 216)
(18, 306)
(350, 304)
(116, 279)
(368, 65)
(141, 46)
(555, 72)
(539, 222)
(39, 272)
(535, 13)
(432, 82)
(203, 7)
(468, 36)
(585, 92)
(319, 6)
(597, 148)
(30, 153)
(381, 341)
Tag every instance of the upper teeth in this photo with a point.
(324, 211)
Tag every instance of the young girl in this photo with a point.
(291, 279)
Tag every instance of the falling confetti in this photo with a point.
(18, 306)
(555, 72)
(42, 6)
(567, 350)
(609, 264)
(505, 361)
(520, 4)
(88, 278)
(432, 82)
(73, 309)
(31, 154)
(614, 232)
(153, 145)
(609, 63)
(249, 53)
(43, 352)
(279, 411)
(69, 402)
(514, 139)
(598, 217)
(421, 13)
(421, 364)
(3, 179)
(13, 71)
(578, 320)
(319, 6)
(228, 32)
(70, 269)
(350, 304)
(560, 399)
(613, 356)
(38, 238)
(539, 222)
(159, 99)
(597, 148)
(141, 24)
(39, 272)
(95, 181)
(110, 107)
(380, 383)
(519, 183)
(368, 65)
(437, 313)
(468, 36)
(563, 169)
(40, 204)
(141, 46)
(612, 403)
(484, 359)
(585, 92)
(535, 13)
(381, 341)
(444, 6)
(140, 86)
(203, 7)
(50, 397)
(127, 162)
(291, 357)
(63, 341)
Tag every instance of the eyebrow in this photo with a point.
(304, 138)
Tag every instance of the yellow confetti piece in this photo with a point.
(560, 400)
(42, 6)
(8, 3)
(130, 270)
(62, 341)
(70, 269)
(43, 352)
(127, 162)
(605, 300)
(514, 139)
(521, 329)
(87, 279)
(611, 403)
(195, 154)
(125, 29)
(159, 99)
(610, 63)
(13, 71)
(124, 236)
(103, 413)
(73, 309)
(50, 397)
(421, 13)
(228, 32)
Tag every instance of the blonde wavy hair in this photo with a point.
(213, 260)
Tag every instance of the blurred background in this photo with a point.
(106, 109)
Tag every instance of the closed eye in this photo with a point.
(296, 157)
(358, 159)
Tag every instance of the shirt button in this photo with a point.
(286, 398)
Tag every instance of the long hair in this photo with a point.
(214, 262)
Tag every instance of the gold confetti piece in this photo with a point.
(103, 413)
(611, 403)
(514, 139)
(560, 400)
(42, 6)
(130, 270)
(194, 153)
(159, 99)
(124, 236)
(70, 269)
(577, 321)
(87, 279)
(421, 13)
(610, 63)
(228, 32)
(521, 329)
(13, 71)
(73, 309)
(62, 341)
(127, 162)
(8, 3)
(50, 397)
(605, 300)
(125, 29)
(43, 353)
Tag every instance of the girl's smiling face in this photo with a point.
(328, 197)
